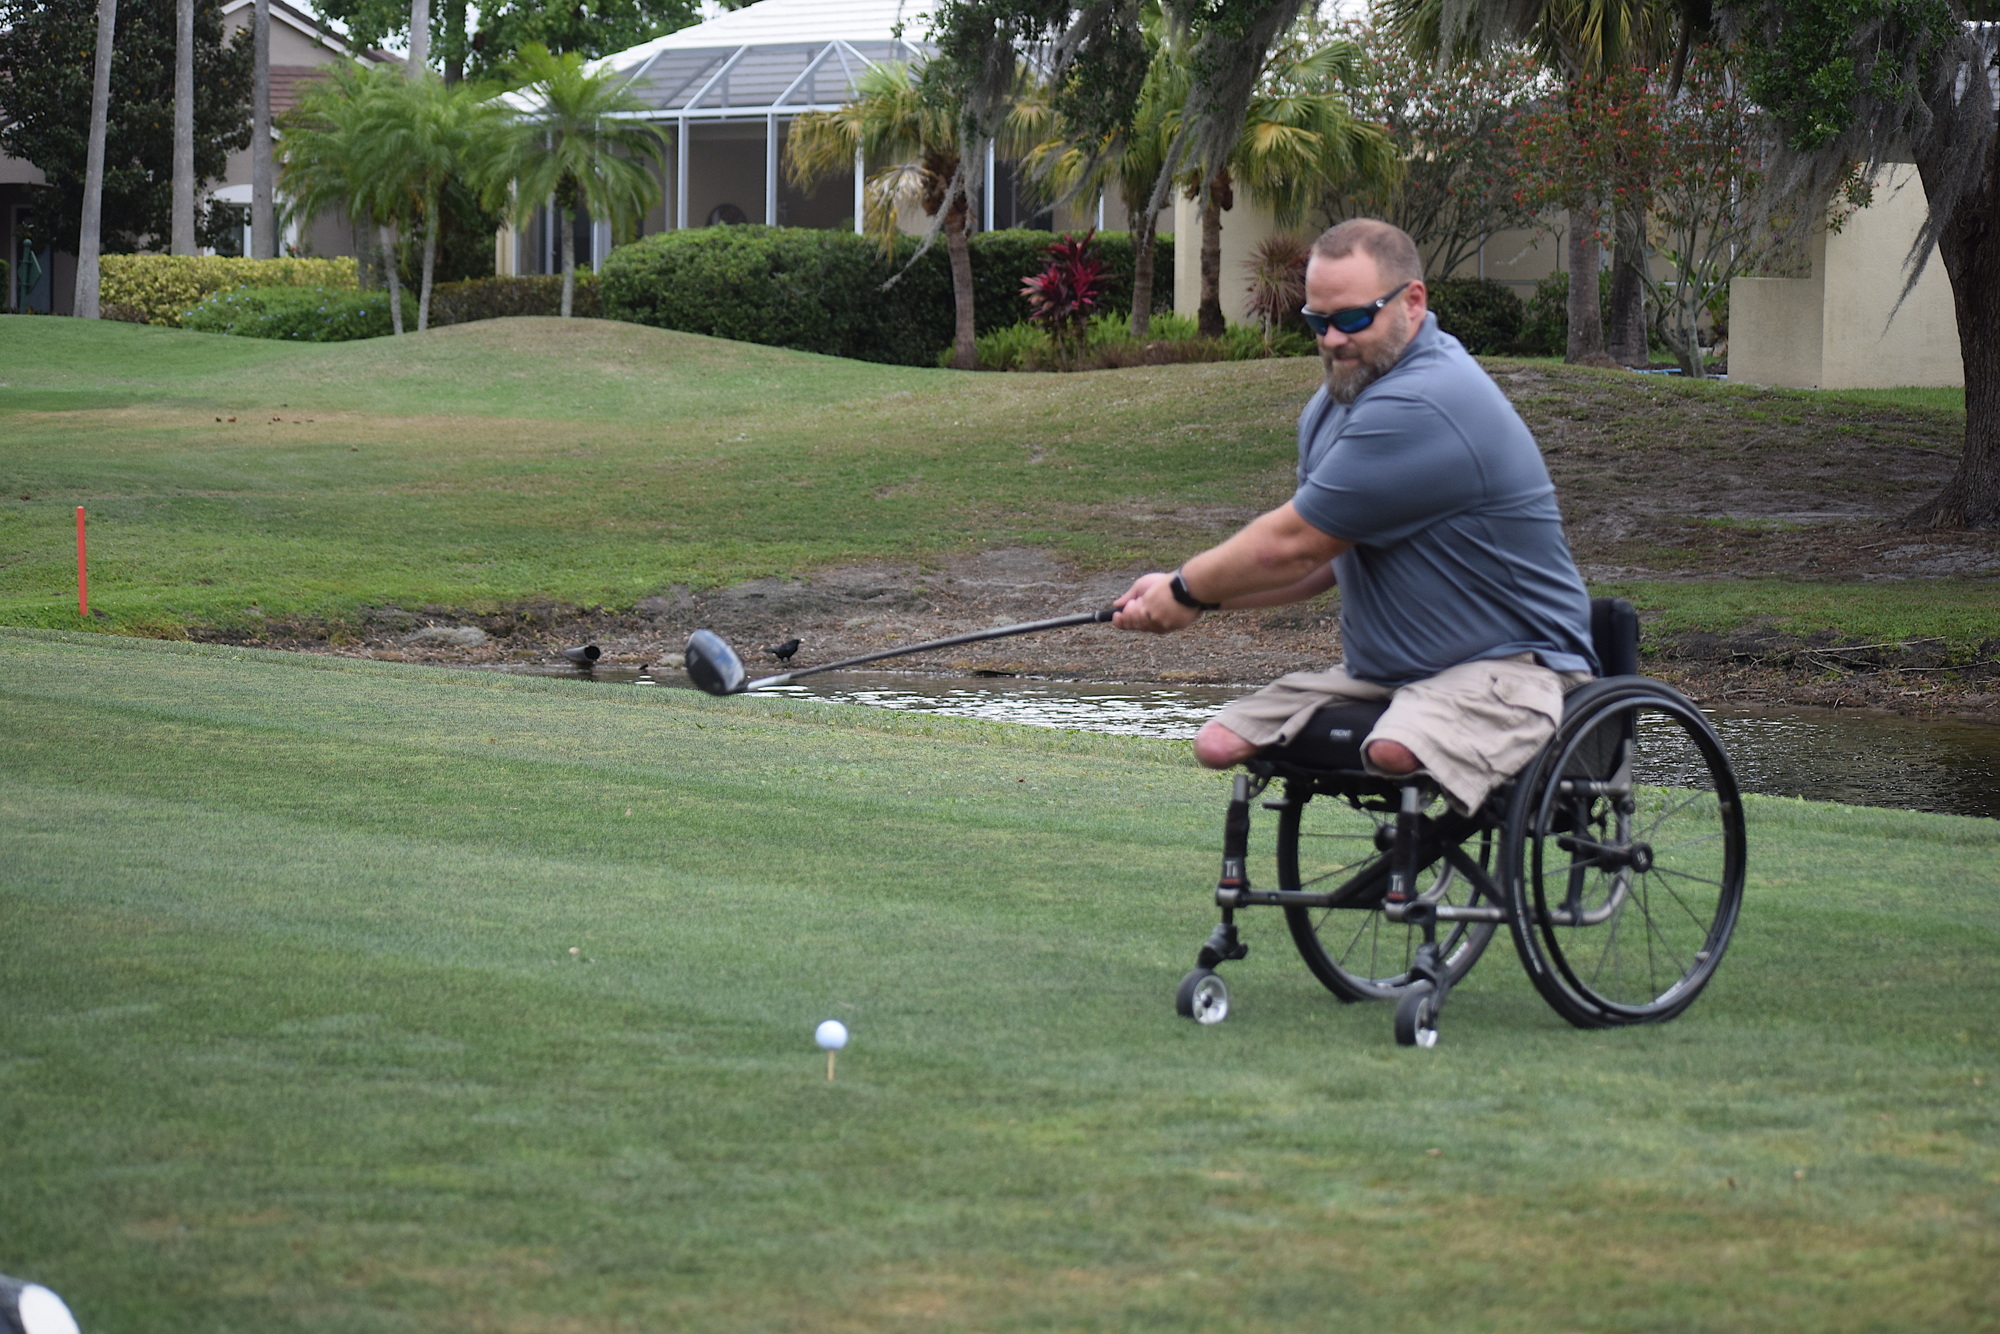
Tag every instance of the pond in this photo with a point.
(1943, 765)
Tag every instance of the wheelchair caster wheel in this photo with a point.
(1416, 1017)
(1202, 997)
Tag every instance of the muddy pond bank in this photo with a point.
(843, 612)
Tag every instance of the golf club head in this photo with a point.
(713, 666)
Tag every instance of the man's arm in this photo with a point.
(1275, 553)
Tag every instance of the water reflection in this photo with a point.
(1861, 759)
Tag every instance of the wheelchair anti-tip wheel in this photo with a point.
(1416, 1016)
(1202, 997)
(1355, 951)
(1624, 855)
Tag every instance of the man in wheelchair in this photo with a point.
(1459, 770)
(1422, 494)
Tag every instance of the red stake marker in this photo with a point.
(82, 570)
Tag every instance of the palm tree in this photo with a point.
(903, 117)
(1129, 162)
(89, 244)
(417, 136)
(263, 207)
(569, 144)
(1298, 139)
(1576, 40)
(180, 228)
(327, 161)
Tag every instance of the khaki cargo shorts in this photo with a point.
(1472, 726)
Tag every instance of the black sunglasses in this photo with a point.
(1350, 321)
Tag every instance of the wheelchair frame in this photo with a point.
(1627, 823)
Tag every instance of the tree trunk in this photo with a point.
(263, 206)
(395, 279)
(1626, 338)
(180, 229)
(566, 228)
(420, 37)
(432, 207)
(1586, 319)
(1970, 249)
(1210, 321)
(90, 244)
(1145, 231)
(454, 56)
(367, 259)
(964, 334)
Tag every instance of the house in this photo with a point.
(725, 93)
(1848, 323)
(301, 46)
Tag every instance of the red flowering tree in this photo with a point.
(1591, 148)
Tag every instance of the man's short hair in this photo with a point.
(1394, 253)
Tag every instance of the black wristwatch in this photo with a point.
(1178, 587)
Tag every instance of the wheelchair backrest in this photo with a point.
(1614, 634)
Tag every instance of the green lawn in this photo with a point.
(582, 462)
(291, 1038)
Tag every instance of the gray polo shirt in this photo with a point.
(1458, 550)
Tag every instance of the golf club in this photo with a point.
(713, 666)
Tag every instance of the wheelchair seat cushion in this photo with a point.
(1332, 738)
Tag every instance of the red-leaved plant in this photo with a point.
(1062, 296)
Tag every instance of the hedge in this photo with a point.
(823, 291)
(298, 314)
(496, 298)
(1484, 315)
(156, 289)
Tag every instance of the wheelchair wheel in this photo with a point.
(1202, 997)
(1624, 855)
(1416, 1017)
(1357, 953)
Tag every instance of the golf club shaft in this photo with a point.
(1026, 628)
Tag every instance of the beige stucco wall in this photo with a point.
(1243, 227)
(1774, 331)
(1835, 330)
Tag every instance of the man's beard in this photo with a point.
(1346, 377)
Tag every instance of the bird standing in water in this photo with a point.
(783, 652)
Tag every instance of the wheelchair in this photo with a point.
(1615, 859)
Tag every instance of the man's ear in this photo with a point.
(1421, 293)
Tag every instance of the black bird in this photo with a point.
(783, 652)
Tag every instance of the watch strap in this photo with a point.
(1178, 587)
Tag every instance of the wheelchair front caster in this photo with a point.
(1417, 1016)
(1202, 997)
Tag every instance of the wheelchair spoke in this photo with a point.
(1684, 875)
(1693, 916)
(1655, 933)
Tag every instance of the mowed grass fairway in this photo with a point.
(292, 1039)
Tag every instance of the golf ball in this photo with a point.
(831, 1035)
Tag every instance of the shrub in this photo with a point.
(1062, 296)
(497, 298)
(1478, 312)
(822, 291)
(1545, 322)
(1109, 344)
(302, 314)
(157, 288)
(1277, 269)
